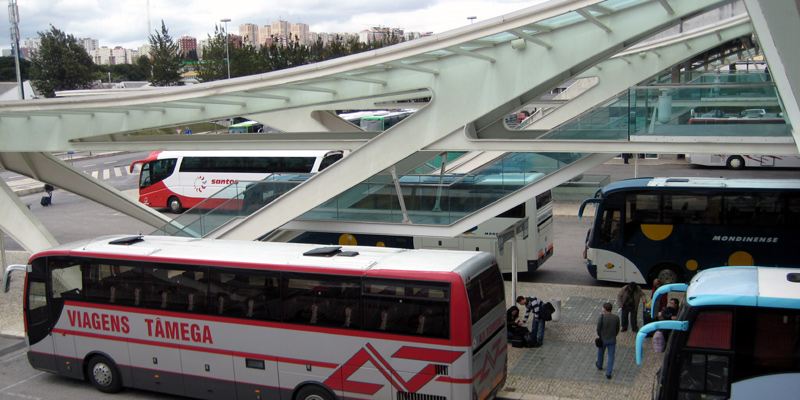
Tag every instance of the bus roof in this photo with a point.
(262, 255)
(242, 153)
(693, 182)
(746, 286)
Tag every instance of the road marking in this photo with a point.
(106, 174)
(20, 382)
(109, 162)
(90, 165)
(23, 396)
(117, 172)
(94, 174)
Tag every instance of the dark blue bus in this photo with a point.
(669, 228)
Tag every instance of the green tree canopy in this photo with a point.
(60, 64)
(8, 71)
(166, 60)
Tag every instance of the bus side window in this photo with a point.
(610, 226)
(767, 342)
(322, 300)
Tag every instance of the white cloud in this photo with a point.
(124, 22)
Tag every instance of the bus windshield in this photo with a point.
(156, 171)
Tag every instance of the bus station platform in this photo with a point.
(563, 368)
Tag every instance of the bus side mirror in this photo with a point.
(654, 326)
(7, 275)
(672, 287)
(585, 202)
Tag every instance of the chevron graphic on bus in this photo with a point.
(339, 379)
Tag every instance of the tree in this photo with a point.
(166, 60)
(8, 70)
(60, 64)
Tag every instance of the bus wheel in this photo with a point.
(666, 275)
(313, 392)
(175, 205)
(735, 162)
(104, 375)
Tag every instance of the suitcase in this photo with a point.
(517, 342)
(46, 201)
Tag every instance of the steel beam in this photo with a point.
(19, 222)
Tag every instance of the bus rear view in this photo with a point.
(737, 336)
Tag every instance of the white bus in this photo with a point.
(739, 161)
(534, 242)
(219, 319)
(182, 179)
(737, 336)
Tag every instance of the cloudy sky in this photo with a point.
(124, 22)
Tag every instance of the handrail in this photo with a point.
(654, 326)
(673, 287)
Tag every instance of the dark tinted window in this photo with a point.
(156, 171)
(544, 199)
(329, 160)
(245, 294)
(321, 300)
(516, 212)
(407, 308)
(247, 164)
(643, 209)
(485, 292)
(767, 342)
(692, 209)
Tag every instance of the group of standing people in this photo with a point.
(518, 332)
(610, 325)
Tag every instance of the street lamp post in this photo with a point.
(227, 52)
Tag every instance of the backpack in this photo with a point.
(546, 311)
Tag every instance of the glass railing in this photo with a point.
(234, 201)
(429, 199)
(439, 199)
(702, 109)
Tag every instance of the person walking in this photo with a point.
(533, 307)
(607, 330)
(628, 300)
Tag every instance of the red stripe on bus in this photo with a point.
(385, 365)
(266, 324)
(457, 381)
(264, 357)
(423, 354)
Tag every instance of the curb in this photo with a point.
(18, 344)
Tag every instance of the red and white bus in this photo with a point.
(182, 179)
(220, 319)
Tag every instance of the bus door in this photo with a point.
(765, 161)
(37, 318)
(609, 241)
(66, 281)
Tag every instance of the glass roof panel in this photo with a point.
(617, 5)
(561, 20)
(500, 37)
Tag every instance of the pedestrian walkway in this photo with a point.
(563, 368)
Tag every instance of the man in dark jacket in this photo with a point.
(607, 330)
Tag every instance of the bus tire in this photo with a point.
(174, 205)
(666, 274)
(735, 162)
(104, 374)
(313, 392)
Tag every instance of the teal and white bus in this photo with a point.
(737, 336)
(669, 228)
